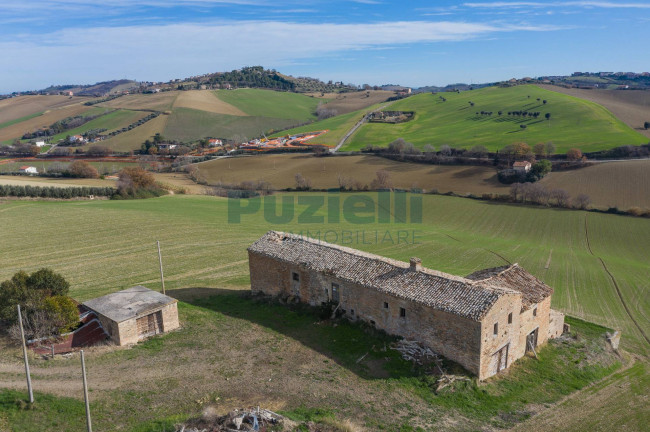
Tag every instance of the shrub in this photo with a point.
(42, 297)
(574, 154)
(136, 182)
(82, 169)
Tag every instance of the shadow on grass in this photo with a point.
(341, 340)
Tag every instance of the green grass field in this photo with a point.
(269, 103)
(111, 121)
(186, 124)
(458, 236)
(574, 122)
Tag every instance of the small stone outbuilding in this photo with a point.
(484, 321)
(135, 313)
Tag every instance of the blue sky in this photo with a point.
(412, 43)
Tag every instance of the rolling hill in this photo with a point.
(574, 122)
(189, 115)
(631, 106)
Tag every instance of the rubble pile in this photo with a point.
(246, 420)
(414, 352)
(423, 356)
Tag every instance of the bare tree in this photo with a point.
(382, 180)
(302, 183)
(582, 201)
(445, 150)
(560, 196)
(550, 148)
(428, 148)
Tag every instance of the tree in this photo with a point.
(382, 180)
(582, 201)
(550, 149)
(646, 125)
(48, 282)
(42, 295)
(539, 169)
(428, 148)
(574, 154)
(479, 151)
(133, 179)
(302, 183)
(560, 196)
(548, 116)
(445, 150)
(521, 149)
(523, 126)
(539, 149)
(82, 169)
(63, 314)
(98, 150)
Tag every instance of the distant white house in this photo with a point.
(77, 138)
(28, 169)
(215, 142)
(167, 146)
(39, 143)
(521, 166)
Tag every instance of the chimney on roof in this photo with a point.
(416, 264)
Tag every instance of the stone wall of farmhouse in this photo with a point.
(506, 338)
(531, 321)
(267, 275)
(454, 337)
(555, 324)
(126, 332)
(170, 317)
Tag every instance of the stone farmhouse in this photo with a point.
(484, 321)
(135, 313)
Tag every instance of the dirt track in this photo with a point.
(631, 106)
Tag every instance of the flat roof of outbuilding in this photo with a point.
(129, 303)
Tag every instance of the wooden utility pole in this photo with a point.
(22, 339)
(89, 425)
(162, 279)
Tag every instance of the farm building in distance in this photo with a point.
(28, 170)
(135, 313)
(484, 321)
(521, 166)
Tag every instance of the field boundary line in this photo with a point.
(618, 289)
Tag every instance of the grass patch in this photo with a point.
(48, 412)
(574, 122)
(269, 103)
(186, 124)
(21, 119)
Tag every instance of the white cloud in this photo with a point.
(176, 50)
(585, 4)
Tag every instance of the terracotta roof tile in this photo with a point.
(436, 289)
